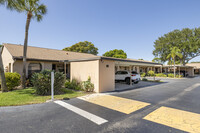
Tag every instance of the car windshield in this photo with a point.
(133, 72)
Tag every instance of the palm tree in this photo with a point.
(33, 9)
(170, 63)
(175, 52)
(2, 74)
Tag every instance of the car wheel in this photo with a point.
(127, 80)
(136, 82)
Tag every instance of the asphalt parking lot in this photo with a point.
(122, 86)
(168, 107)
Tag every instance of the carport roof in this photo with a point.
(116, 59)
(178, 66)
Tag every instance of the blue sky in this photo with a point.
(110, 24)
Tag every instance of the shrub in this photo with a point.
(179, 76)
(42, 82)
(170, 75)
(12, 80)
(67, 84)
(73, 85)
(144, 79)
(151, 73)
(87, 85)
(161, 75)
(143, 74)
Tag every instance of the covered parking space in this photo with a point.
(180, 70)
(138, 66)
(102, 70)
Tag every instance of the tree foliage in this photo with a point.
(175, 52)
(157, 60)
(32, 8)
(83, 47)
(116, 53)
(187, 40)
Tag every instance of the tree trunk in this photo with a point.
(2, 75)
(184, 63)
(174, 69)
(29, 15)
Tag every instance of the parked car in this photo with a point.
(126, 76)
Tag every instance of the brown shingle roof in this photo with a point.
(37, 53)
(45, 54)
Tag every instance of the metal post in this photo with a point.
(131, 80)
(52, 86)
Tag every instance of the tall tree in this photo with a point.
(116, 53)
(157, 60)
(175, 52)
(83, 47)
(187, 40)
(2, 74)
(33, 9)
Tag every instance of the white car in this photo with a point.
(126, 76)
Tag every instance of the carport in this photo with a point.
(101, 70)
(181, 70)
(135, 65)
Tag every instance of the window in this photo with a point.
(119, 72)
(124, 72)
(34, 67)
(9, 68)
(60, 67)
(133, 72)
(54, 67)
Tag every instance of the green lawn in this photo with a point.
(28, 96)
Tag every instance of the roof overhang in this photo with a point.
(117, 60)
(32, 59)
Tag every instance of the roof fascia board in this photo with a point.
(31, 59)
(130, 61)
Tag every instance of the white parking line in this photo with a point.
(192, 87)
(96, 119)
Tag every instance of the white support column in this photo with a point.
(133, 68)
(161, 69)
(138, 69)
(65, 70)
(130, 68)
(118, 68)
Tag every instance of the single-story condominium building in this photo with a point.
(75, 65)
(196, 67)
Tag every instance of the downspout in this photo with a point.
(13, 65)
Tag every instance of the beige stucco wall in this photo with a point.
(7, 58)
(195, 65)
(82, 70)
(102, 73)
(18, 65)
(106, 75)
(190, 71)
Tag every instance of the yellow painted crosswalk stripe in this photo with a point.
(179, 119)
(117, 103)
